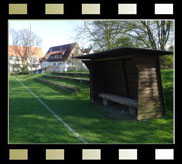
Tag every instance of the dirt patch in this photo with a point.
(115, 110)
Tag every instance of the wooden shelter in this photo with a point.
(128, 76)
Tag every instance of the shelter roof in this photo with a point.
(124, 51)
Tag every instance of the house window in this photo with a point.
(35, 60)
(17, 59)
(51, 57)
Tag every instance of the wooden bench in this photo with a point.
(131, 103)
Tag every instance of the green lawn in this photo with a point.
(30, 122)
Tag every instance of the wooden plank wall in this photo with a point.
(132, 79)
(119, 76)
(108, 77)
(99, 79)
(149, 88)
(117, 79)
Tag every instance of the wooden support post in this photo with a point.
(105, 102)
(125, 78)
(91, 82)
(132, 111)
(160, 85)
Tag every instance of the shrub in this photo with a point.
(24, 71)
(13, 73)
(166, 61)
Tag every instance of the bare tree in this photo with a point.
(110, 34)
(155, 34)
(151, 34)
(25, 45)
(103, 34)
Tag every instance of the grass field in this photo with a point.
(30, 122)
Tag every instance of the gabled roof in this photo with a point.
(38, 53)
(61, 47)
(123, 51)
(63, 50)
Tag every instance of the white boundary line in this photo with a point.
(51, 111)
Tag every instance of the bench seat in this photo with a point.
(131, 103)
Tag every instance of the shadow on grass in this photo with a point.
(30, 122)
(94, 125)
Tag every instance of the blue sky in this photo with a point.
(52, 32)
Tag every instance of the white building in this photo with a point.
(15, 58)
(87, 51)
(59, 58)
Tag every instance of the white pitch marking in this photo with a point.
(51, 111)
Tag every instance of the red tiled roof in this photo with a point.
(38, 53)
(54, 53)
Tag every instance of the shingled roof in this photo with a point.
(63, 50)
